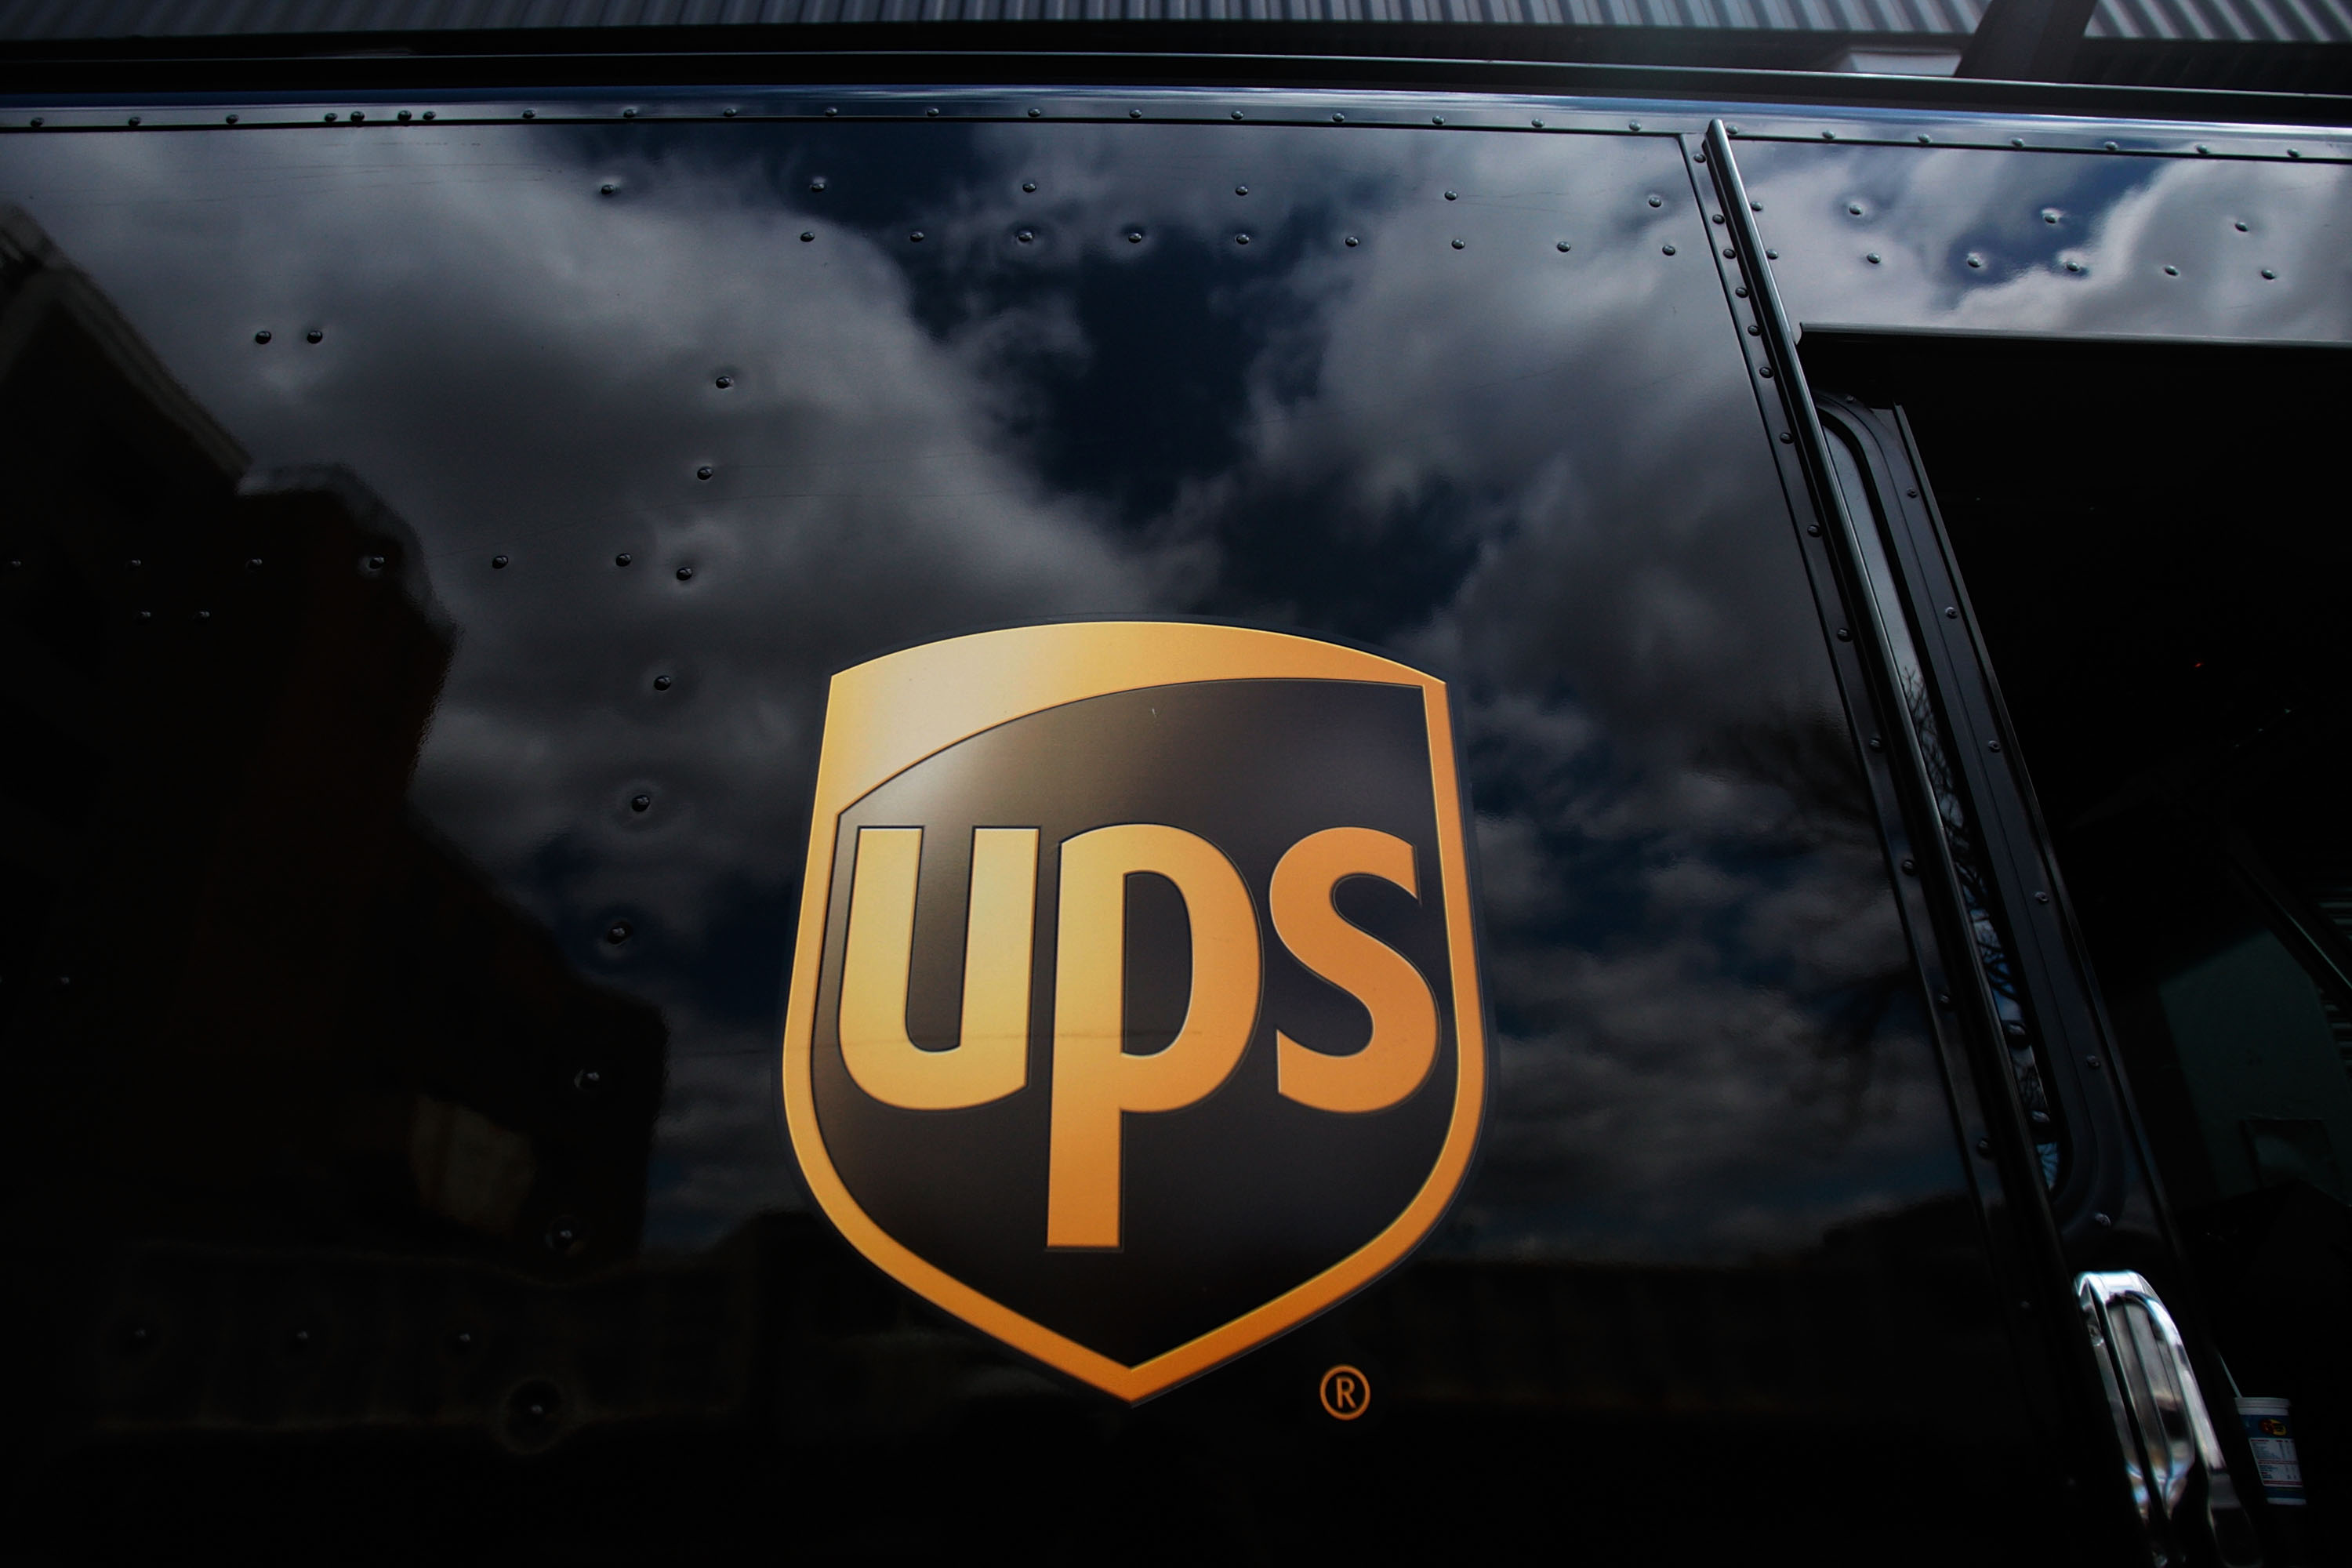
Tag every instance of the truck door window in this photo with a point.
(2156, 563)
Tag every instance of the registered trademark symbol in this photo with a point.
(1346, 1392)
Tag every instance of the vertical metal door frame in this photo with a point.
(2030, 1252)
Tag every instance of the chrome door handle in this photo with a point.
(2161, 1424)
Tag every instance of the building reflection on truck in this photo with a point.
(255, 1002)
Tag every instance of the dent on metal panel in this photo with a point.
(2079, 243)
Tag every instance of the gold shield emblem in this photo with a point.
(1134, 1015)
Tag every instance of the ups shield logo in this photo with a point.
(1134, 1016)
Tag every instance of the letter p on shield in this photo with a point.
(1096, 1079)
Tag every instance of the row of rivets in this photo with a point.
(253, 564)
(499, 562)
(2081, 268)
(1134, 237)
(140, 1337)
(831, 111)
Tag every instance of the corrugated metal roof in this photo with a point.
(2242, 21)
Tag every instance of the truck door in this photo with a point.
(2123, 567)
